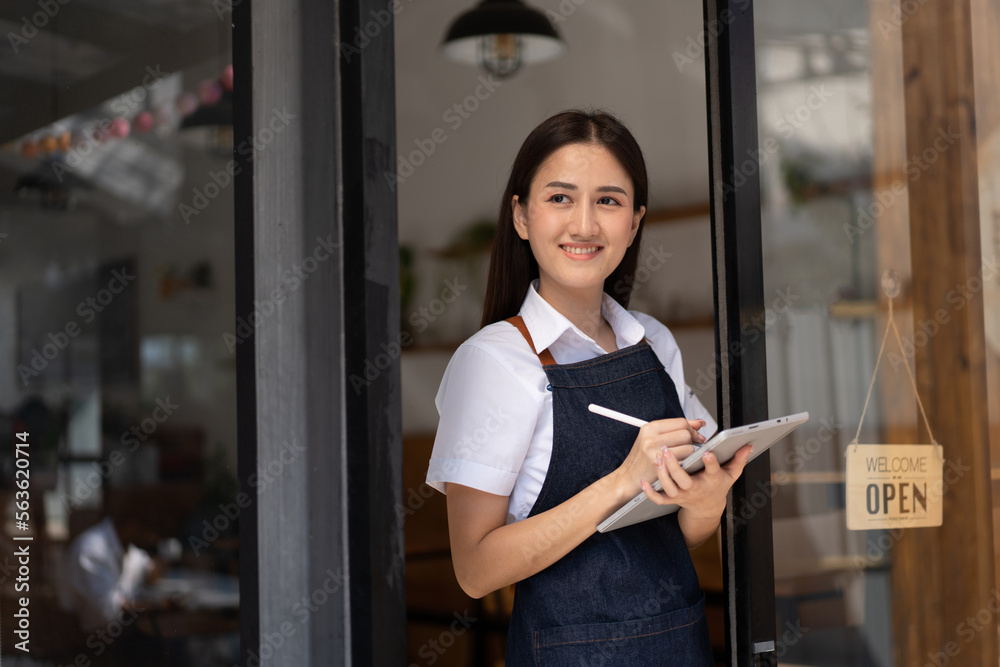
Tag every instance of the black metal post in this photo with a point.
(372, 331)
(246, 365)
(748, 560)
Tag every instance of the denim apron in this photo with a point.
(629, 596)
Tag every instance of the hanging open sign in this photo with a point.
(894, 486)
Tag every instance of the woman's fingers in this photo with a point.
(739, 461)
(656, 496)
(682, 451)
(676, 435)
(669, 439)
(675, 481)
(711, 462)
(672, 476)
(661, 427)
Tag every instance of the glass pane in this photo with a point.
(838, 169)
(117, 289)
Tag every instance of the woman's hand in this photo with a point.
(675, 435)
(701, 496)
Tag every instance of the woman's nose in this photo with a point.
(584, 223)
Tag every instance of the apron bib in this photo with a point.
(630, 596)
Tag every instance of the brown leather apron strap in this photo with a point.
(544, 356)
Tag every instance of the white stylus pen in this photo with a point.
(622, 417)
(614, 414)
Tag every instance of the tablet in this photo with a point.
(724, 445)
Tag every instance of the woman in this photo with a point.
(529, 472)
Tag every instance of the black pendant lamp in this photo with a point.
(502, 35)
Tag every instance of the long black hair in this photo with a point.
(512, 265)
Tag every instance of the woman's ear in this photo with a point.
(520, 218)
(636, 219)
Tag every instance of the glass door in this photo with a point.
(866, 171)
(118, 391)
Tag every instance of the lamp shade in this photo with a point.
(504, 30)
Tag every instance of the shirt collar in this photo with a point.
(547, 325)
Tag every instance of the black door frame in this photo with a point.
(738, 276)
(320, 440)
(327, 529)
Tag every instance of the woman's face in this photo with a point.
(578, 218)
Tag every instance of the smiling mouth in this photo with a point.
(589, 250)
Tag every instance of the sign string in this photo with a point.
(909, 372)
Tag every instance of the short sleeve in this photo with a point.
(487, 417)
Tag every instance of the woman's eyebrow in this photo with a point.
(569, 186)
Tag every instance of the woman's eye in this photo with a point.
(608, 200)
(558, 199)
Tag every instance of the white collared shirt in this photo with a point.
(495, 431)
